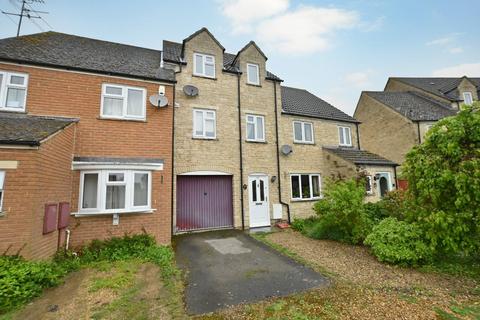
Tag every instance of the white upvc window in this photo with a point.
(115, 191)
(345, 136)
(123, 102)
(255, 128)
(2, 182)
(204, 65)
(253, 76)
(302, 132)
(369, 184)
(204, 124)
(306, 186)
(467, 98)
(13, 91)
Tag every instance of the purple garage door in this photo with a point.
(204, 202)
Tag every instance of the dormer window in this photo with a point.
(467, 98)
(13, 91)
(253, 74)
(204, 65)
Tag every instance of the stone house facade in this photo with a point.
(398, 118)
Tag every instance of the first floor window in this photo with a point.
(302, 132)
(2, 181)
(467, 98)
(255, 128)
(123, 102)
(13, 91)
(253, 74)
(305, 186)
(345, 136)
(204, 124)
(115, 191)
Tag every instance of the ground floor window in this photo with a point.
(2, 180)
(305, 186)
(114, 191)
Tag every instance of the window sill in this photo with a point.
(103, 213)
(204, 77)
(2, 109)
(254, 85)
(307, 143)
(306, 200)
(345, 145)
(202, 138)
(121, 119)
(255, 141)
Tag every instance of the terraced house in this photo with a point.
(396, 119)
(100, 139)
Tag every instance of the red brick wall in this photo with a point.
(69, 94)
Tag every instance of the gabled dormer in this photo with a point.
(467, 91)
(251, 61)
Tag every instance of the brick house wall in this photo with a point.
(57, 92)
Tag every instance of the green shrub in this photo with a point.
(444, 181)
(398, 242)
(304, 225)
(341, 213)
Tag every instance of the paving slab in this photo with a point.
(229, 267)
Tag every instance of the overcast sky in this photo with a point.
(334, 49)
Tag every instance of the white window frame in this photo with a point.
(310, 175)
(129, 182)
(204, 62)
(470, 98)
(2, 189)
(254, 122)
(5, 85)
(345, 129)
(257, 67)
(302, 124)
(204, 134)
(124, 97)
(370, 183)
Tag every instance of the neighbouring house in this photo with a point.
(80, 144)
(396, 119)
(101, 139)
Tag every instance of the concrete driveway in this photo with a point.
(229, 267)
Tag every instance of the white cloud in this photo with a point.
(466, 69)
(305, 30)
(440, 41)
(374, 25)
(242, 13)
(359, 79)
(455, 50)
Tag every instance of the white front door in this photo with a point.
(258, 201)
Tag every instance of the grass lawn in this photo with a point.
(363, 288)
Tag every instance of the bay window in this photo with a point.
(123, 102)
(13, 91)
(305, 186)
(114, 191)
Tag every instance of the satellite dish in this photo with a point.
(190, 90)
(286, 149)
(158, 100)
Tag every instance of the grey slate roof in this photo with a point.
(357, 156)
(413, 105)
(78, 53)
(442, 87)
(303, 103)
(172, 52)
(22, 129)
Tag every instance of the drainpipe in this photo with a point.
(241, 151)
(418, 130)
(173, 153)
(278, 153)
(358, 137)
(396, 180)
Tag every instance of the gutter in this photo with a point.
(241, 152)
(278, 154)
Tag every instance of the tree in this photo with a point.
(444, 181)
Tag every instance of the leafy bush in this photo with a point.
(444, 182)
(341, 213)
(21, 280)
(304, 225)
(398, 242)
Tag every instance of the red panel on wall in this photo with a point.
(64, 215)
(50, 218)
(402, 184)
